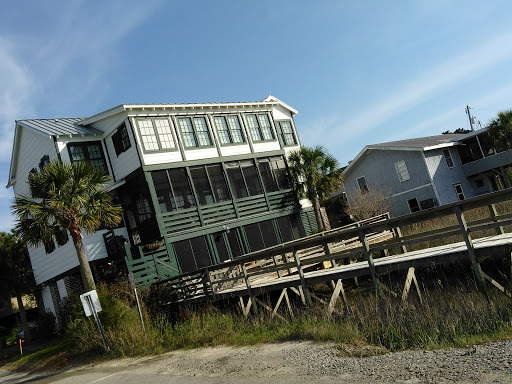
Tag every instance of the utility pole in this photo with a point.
(470, 118)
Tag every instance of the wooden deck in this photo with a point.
(371, 248)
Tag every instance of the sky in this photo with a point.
(359, 72)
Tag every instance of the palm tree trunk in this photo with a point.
(85, 268)
(23, 314)
(319, 220)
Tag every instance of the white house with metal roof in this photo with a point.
(204, 182)
(420, 173)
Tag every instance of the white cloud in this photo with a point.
(16, 87)
(414, 91)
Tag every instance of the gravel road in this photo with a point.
(297, 363)
(488, 363)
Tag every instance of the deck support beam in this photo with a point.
(497, 285)
(411, 278)
(477, 269)
(335, 295)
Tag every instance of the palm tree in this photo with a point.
(500, 131)
(316, 175)
(68, 197)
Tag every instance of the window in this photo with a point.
(413, 205)
(194, 132)
(192, 254)
(61, 236)
(45, 160)
(173, 189)
(156, 134)
(259, 127)
(243, 178)
(218, 182)
(228, 129)
(49, 246)
(90, 152)
(401, 170)
(285, 133)
(121, 140)
(448, 158)
(201, 185)
(363, 187)
(458, 191)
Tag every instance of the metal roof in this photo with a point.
(420, 142)
(60, 126)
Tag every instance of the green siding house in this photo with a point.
(199, 184)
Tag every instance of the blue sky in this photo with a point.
(358, 72)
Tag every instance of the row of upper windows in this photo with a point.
(157, 133)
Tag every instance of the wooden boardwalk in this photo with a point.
(371, 248)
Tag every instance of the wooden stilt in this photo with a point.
(288, 303)
(411, 278)
(268, 308)
(279, 302)
(500, 287)
(471, 251)
(335, 295)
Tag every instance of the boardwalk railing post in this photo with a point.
(302, 278)
(494, 217)
(369, 259)
(248, 284)
(471, 251)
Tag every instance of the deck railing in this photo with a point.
(362, 242)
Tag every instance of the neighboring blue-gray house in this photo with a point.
(420, 173)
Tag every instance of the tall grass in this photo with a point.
(453, 317)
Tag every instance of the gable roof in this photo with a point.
(60, 126)
(416, 144)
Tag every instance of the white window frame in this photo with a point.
(457, 193)
(448, 157)
(402, 171)
(417, 203)
(365, 184)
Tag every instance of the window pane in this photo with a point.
(254, 237)
(267, 176)
(220, 189)
(235, 129)
(147, 134)
(220, 244)
(254, 129)
(234, 244)
(203, 137)
(187, 132)
(77, 153)
(269, 233)
(363, 187)
(236, 181)
(164, 133)
(185, 256)
(266, 128)
(96, 157)
(125, 139)
(285, 229)
(163, 191)
(280, 172)
(201, 185)
(182, 192)
(287, 132)
(201, 253)
(251, 177)
(222, 130)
